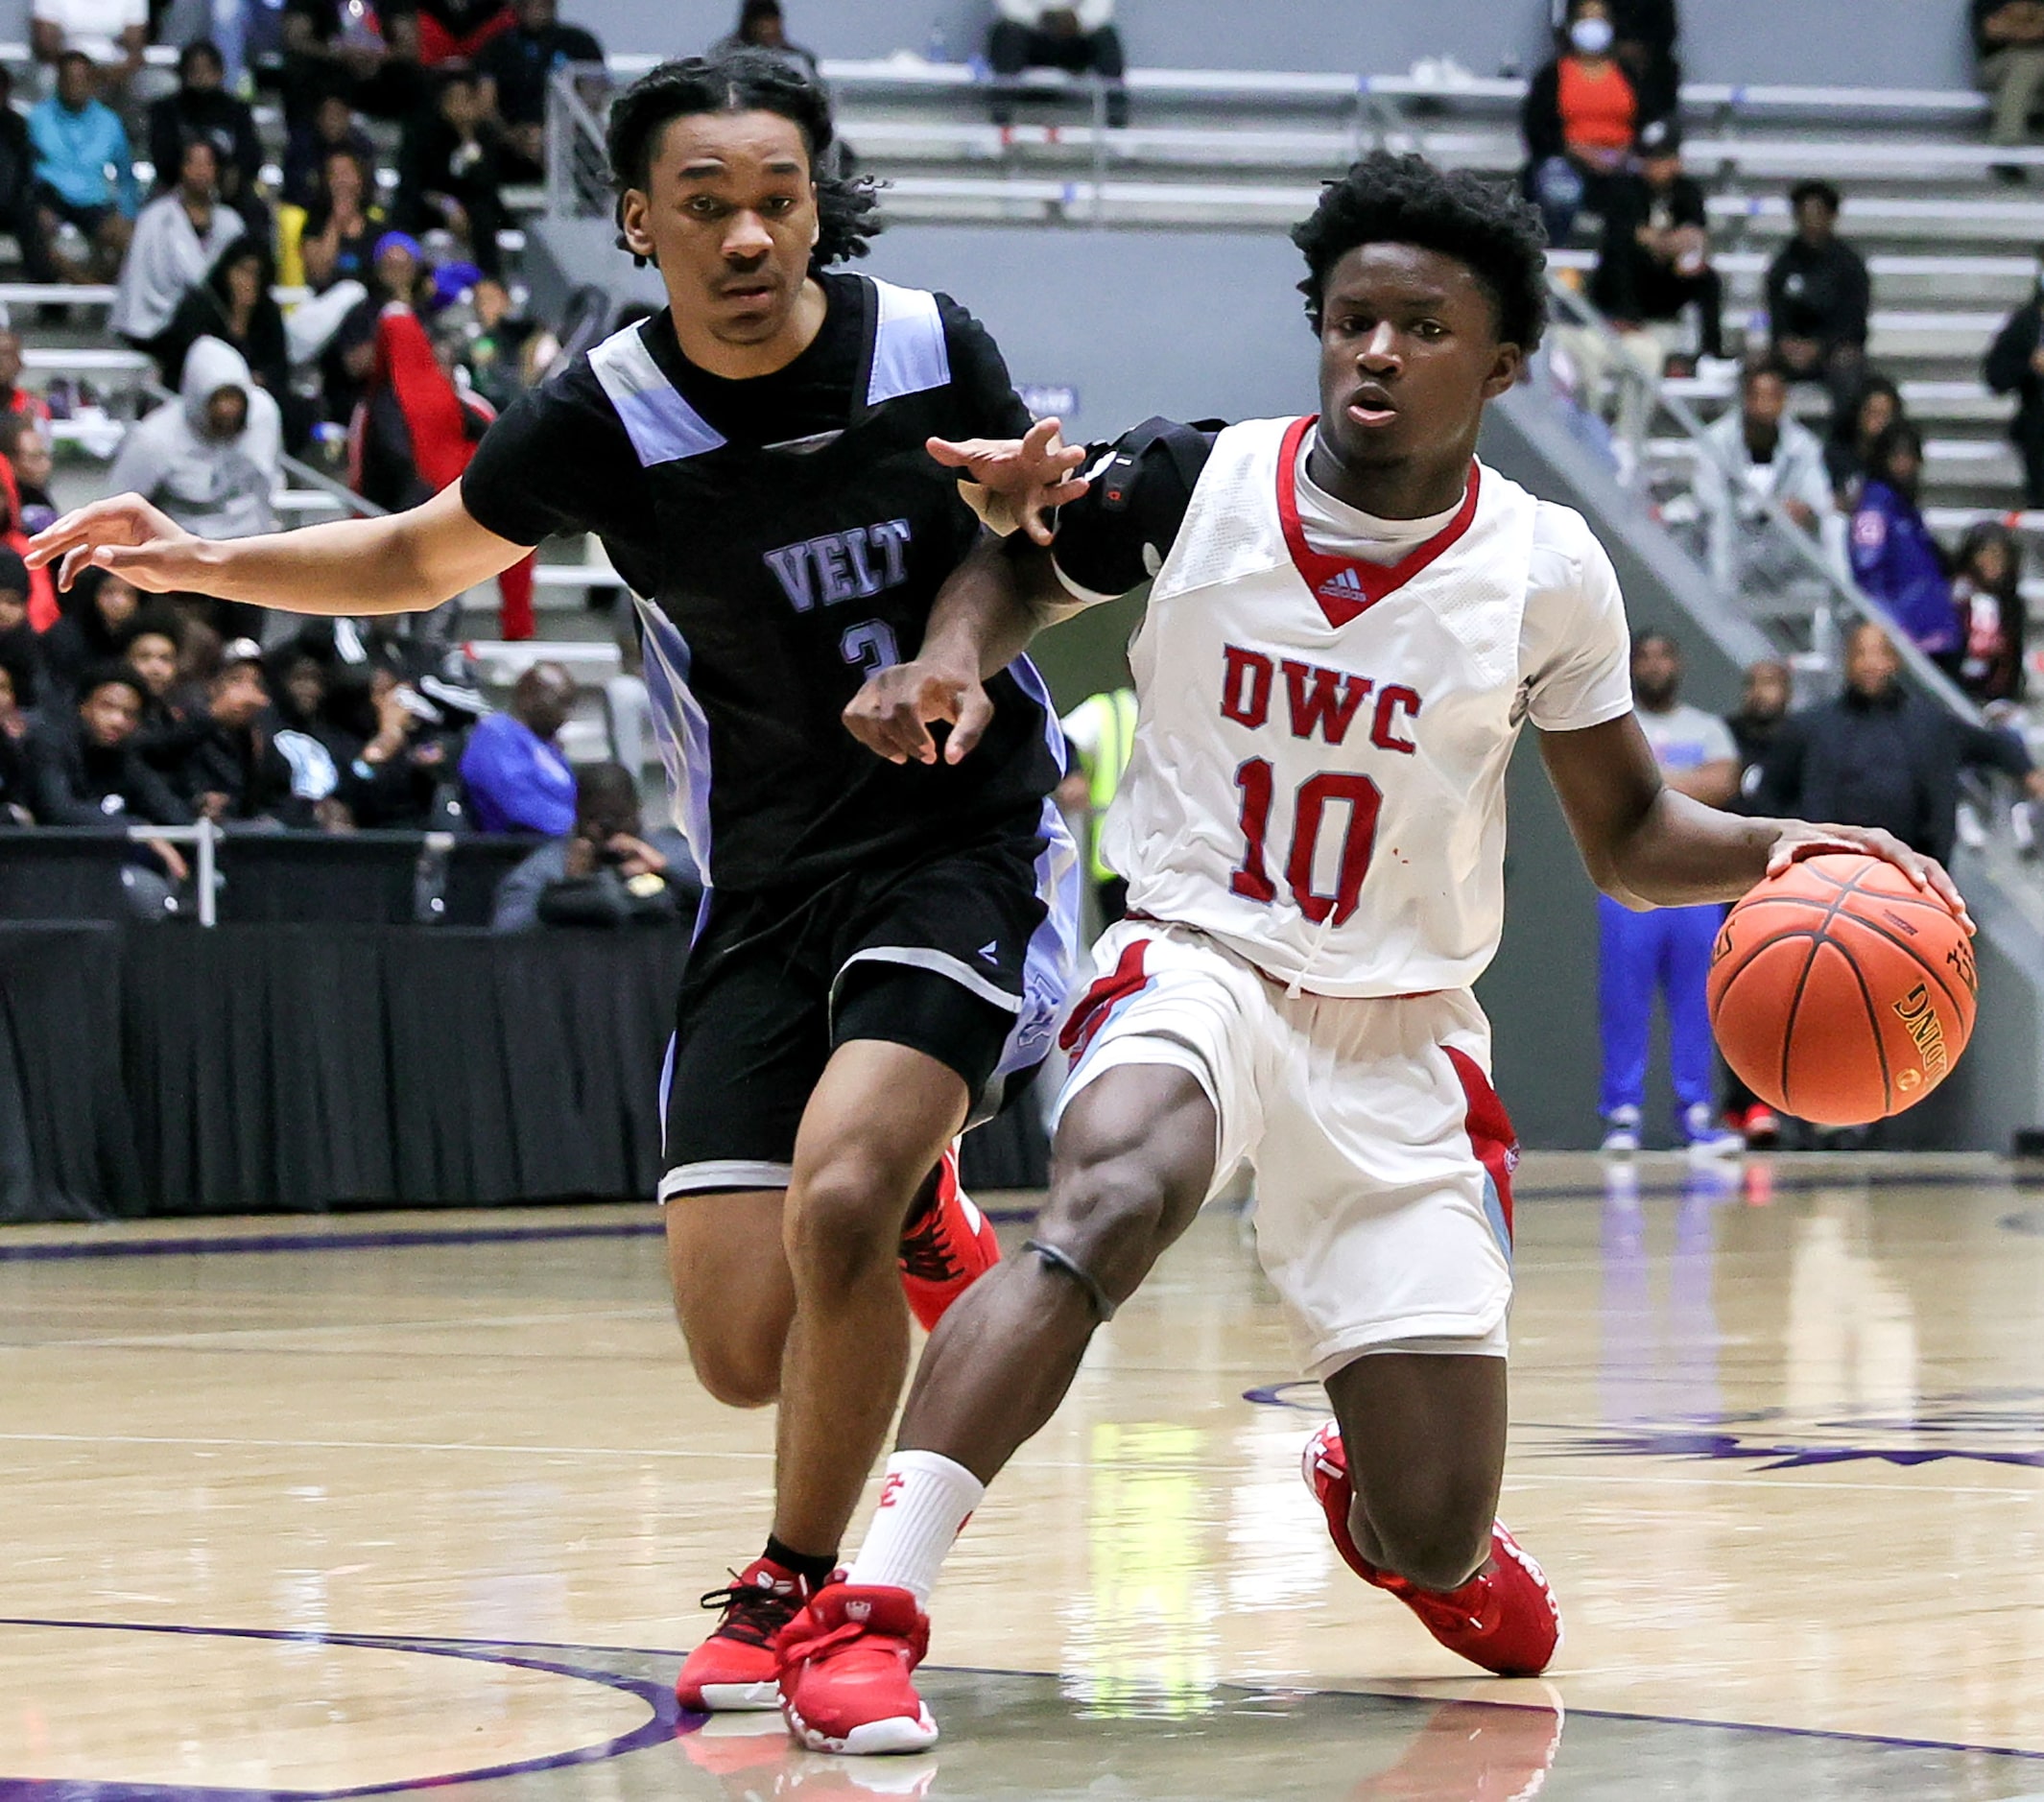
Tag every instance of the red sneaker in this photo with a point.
(948, 1247)
(735, 1668)
(1762, 1130)
(845, 1661)
(1504, 1618)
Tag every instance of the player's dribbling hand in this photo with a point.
(1014, 484)
(123, 533)
(1798, 840)
(893, 714)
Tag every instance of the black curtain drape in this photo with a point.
(256, 1068)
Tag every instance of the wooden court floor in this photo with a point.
(354, 1507)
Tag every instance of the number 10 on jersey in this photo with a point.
(1251, 879)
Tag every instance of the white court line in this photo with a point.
(156, 1341)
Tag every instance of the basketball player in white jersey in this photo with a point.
(1349, 622)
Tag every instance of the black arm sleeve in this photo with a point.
(989, 405)
(557, 460)
(1118, 533)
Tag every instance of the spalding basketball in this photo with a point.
(1840, 992)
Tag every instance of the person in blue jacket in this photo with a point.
(516, 776)
(1897, 563)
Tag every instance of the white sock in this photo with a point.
(925, 1499)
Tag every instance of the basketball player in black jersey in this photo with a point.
(883, 946)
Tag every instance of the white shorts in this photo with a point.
(1382, 1157)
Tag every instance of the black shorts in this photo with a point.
(964, 957)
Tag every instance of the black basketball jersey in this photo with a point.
(785, 537)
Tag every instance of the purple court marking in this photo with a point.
(397, 1238)
(666, 1720)
(669, 1720)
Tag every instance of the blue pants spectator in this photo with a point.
(1667, 951)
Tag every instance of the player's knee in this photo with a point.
(737, 1372)
(1109, 1217)
(843, 1221)
(1436, 1547)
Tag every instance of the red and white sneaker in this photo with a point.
(846, 1662)
(948, 1247)
(736, 1668)
(1504, 1618)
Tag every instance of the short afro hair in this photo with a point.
(1406, 199)
(740, 80)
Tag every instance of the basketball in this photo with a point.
(1840, 992)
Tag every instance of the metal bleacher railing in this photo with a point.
(1808, 614)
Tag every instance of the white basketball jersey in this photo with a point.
(1319, 772)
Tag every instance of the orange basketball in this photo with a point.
(1840, 992)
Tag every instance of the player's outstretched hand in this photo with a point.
(1014, 484)
(893, 714)
(123, 533)
(1798, 840)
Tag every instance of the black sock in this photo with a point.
(814, 1572)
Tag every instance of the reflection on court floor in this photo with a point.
(312, 1509)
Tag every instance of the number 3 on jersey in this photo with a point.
(1309, 807)
(870, 648)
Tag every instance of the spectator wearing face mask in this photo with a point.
(2014, 364)
(1581, 116)
(1988, 593)
(177, 239)
(1896, 561)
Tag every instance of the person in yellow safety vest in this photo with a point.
(1101, 731)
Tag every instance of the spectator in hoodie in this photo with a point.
(518, 776)
(608, 871)
(1895, 561)
(210, 459)
(2014, 364)
(234, 774)
(1755, 456)
(1819, 297)
(1988, 593)
(177, 239)
(202, 108)
(234, 305)
(96, 612)
(85, 172)
(1880, 756)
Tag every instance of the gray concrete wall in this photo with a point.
(1878, 42)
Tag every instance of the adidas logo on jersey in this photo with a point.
(1343, 585)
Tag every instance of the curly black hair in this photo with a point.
(740, 80)
(1406, 199)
